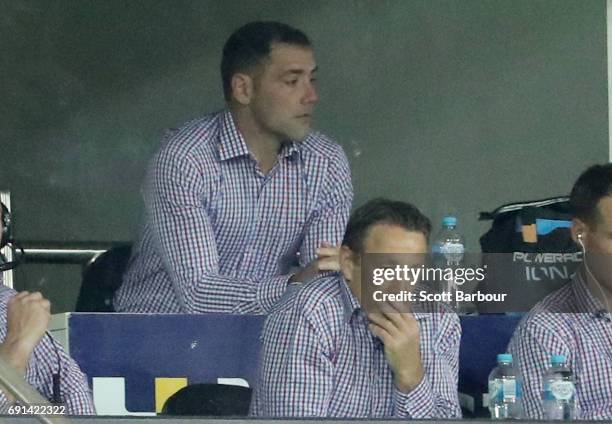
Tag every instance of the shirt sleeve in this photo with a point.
(175, 194)
(532, 346)
(436, 395)
(49, 357)
(296, 374)
(328, 222)
(44, 362)
(4, 402)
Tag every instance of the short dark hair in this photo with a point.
(383, 211)
(251, 43)
(592, 185)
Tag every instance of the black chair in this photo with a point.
(209, 400)
(101, 279)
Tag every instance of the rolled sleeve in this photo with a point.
(418, 403)
(436, 395)
(270, 291)
(328, 222)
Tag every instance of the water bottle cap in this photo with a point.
(449, 221)
(504, 357)
(557, 359)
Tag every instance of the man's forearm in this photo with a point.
(219, 294)
(15, 355)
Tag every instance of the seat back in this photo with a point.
(101, 279)
(209, 400)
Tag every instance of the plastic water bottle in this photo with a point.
(448, 251)
(449, 243)
(558, 398)
(505, 390)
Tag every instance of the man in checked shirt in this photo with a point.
(325, 355)
(575, 320)
(234, 198)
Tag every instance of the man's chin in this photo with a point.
(299, 131)
(300, 135)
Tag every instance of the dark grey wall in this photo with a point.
(454, 105)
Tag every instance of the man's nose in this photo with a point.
(310, 96)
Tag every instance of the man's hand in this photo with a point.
(28, 316)
(399, 333)
(328, 259)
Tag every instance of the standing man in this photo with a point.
(329, 352)
(234, 198)
(575, 320)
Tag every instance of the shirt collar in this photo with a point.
(232, 143)
(350, 303)
(289, 149)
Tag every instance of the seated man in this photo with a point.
(575, 320)
(324, 355)
(27, 347)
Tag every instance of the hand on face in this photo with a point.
(399, 332)
(391, 322)
(28, 316)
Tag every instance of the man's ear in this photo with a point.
(242, 88)
(579, 230)
(347, 262)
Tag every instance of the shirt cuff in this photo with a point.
(270, 291)
(418, 403)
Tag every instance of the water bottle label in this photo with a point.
(453, 252)
(562, 390)
(502, 390)
(452, 248)
(509, 390)
(547, 392)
